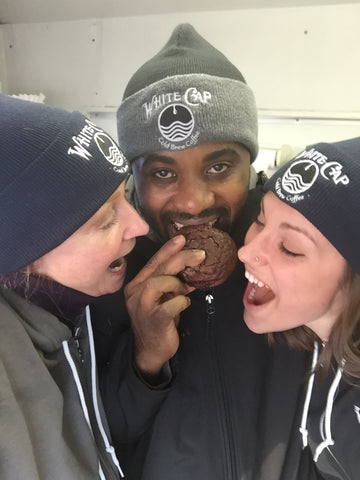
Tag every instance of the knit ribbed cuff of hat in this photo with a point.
(184, 111)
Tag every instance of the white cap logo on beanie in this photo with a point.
(176, 122)
(301, 175)
(106, 145)
(110, 150)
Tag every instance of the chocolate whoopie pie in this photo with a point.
(221, 256)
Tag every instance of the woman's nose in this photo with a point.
(136, 225)
(242, 254)
(254, 249)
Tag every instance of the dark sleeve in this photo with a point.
(130, 404)
(109, 316)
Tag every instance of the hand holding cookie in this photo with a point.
(155, 298)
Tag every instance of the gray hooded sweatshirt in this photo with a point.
(52, 425)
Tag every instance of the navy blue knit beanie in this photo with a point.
(57, 169)
(188, 94)
(323, 184)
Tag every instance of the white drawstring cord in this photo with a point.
(77, 383)
(328, 411)
(303, 430)
(328, 440)
(109, 448)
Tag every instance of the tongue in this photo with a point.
(258, 295)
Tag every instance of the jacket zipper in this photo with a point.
(230, 472)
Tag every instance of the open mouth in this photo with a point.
(257, 292)
(117, 265)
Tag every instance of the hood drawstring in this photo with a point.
(303, 430)
(109, 448)
(328, 440)
(326, 434)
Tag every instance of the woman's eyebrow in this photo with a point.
(289, 226)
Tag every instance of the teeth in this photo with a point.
(254, 280)
(252, 293)
(117, 265)
(179, 226)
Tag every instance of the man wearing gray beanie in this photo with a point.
(188, 124)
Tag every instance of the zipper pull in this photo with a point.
(210, 307)
(210, 310)
(77, 331)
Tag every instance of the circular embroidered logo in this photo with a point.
(300, 176)
(176, 122)
(110, 150)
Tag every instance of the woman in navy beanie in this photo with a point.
(66, 228)
(302, 260)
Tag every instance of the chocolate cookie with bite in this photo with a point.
(221, 256)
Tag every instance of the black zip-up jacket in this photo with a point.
(232, 409)
(331, 424)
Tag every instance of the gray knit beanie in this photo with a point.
(186, 95)
(57, 170)
(323, 184)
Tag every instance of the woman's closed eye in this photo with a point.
(109, 223)
(288, 252)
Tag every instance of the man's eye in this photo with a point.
(163, 174)
(218, 168)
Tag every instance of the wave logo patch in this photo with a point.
(110, 150)
(300, 176)
(176, 122)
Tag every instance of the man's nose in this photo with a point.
(193, 197)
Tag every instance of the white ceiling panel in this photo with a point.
(29, 11)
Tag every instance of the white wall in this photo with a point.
(300, 62)
(3, 77)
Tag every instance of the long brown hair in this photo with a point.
(343, 344)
